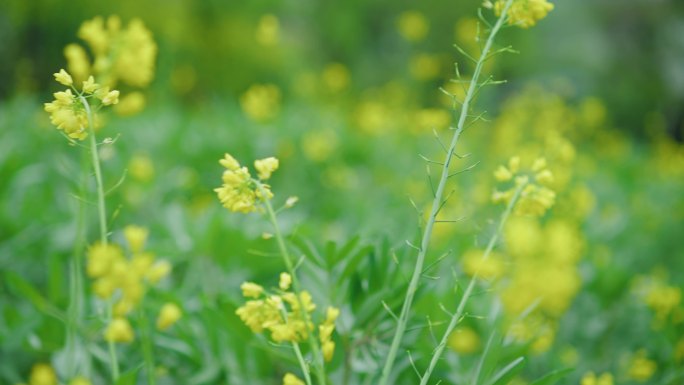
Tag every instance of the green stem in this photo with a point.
(456, 317)
(76, 364)
(148, 349)
(102, 217)
(302, 363)
(437, 203)
(318, 364)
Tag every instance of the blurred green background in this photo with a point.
(357, 98)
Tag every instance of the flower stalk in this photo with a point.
(102, 220)
(438, 199)
(456, 317)
(318, 362)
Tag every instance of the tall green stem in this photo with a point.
(148, 348)
(456, 317)
(77, 364)
(318, 362)
(302, 363)
(102, 218)
(437, 202)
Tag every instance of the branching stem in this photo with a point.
(437, 201)
(102, 219)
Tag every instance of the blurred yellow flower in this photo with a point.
(641, 368)
(590, 378)
(42, 374)
(261, 102)
(413, 26)
(169, 314)
(291, 379)
(524, 13)
(268, 30)
(119, 330)
(464, 340)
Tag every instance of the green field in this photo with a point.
(464, 193)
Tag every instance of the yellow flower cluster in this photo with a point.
(261, 102)
(641, 368)
(69, 110)
(281, 314)
(120, 54)
(524, 13)
(125, 54)
(123, 279)
(664, 300)
(535, 197)
(590, 378)
(240, 192)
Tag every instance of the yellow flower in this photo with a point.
(130, 104)
(158, 271)
(141, 167)
(590, 378)
(325, 331)
(119, 330)
(89, 86)
(490, 268)
(77, 61)
(285, 281)
(265, 167)
(641, 368)
(168, 315)
(413, 26)
(64, 78)
(268, 31)
(502, 174)
(136, 237)
(42, 374)
(524, 13)
(261, 102)
(101, 257)
(112, 97)
(464, 340)
(252, 290)
(291, 379)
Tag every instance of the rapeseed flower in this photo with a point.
(42, 374)
(169, 314)
(240, 192)
(535, 197)
(291, 379)
(524, 13)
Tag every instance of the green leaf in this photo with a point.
(552, 377)
(128, 378)
(504, 375)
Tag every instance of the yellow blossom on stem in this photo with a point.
(42, 374)
(524, 13)
(291, 379)
(119, 330)
(64, 78)
(265, 167)
(285, 281)
(168, 315)
(251, 290)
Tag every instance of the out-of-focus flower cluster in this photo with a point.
(535, 197)
(240, 192)
(524, 13)
(69, 111)
(124, 281)
(120, 54)
(285, 315)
